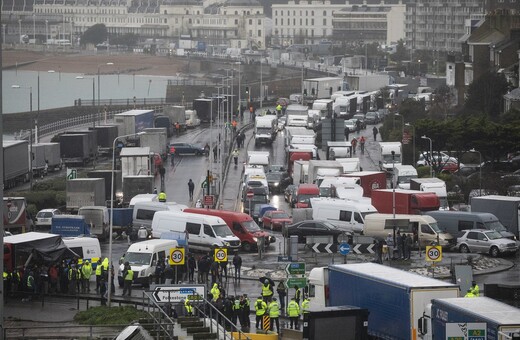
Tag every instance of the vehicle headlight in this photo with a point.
(276, 184)
(501, 245)
(255, 239)
(226, 243)
(142, 272)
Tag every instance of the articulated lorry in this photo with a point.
(265, 129)
(134, 121)
(16, 170)
(396, 300)
(475, 318)
(106, 134)
(15, 214)
(406, 201)
(75, 148)
(506, 208)
(435, 185)
(46, 153)
(85, 192)
(369, 180)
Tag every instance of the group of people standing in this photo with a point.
(387, 248)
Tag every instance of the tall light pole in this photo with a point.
(20, 31)
(239, 91)
(99, 81)
(34, 28)
(431, 154)
(93, 98)
(46, 33)
(413, 142)
(479, 171)
(111, 228)
(261, 86)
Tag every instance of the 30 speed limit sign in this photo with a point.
(434, 253)
(220, 254)
(176, 256)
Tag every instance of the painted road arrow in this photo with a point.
(364, 248)
(325, 248)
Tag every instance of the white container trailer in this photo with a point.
(135, 162)
(322, 88)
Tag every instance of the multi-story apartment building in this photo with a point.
(381, 23)
(438, 24)
(235, 23)
(302, 22)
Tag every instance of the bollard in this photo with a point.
(266, 322)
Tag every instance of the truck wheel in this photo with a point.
(494, 252)
(247, 246)
(464, 248)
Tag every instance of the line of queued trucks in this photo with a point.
(362, 202)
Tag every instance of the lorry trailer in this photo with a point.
(16, 170)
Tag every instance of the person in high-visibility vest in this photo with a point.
(274, 314)
(73, 277)
(128, 276)
(306, 304)
(188, 307)
(293, 311)
(267, 290)
(86, 273)
(470, 294)
(278, 110)
(475, 289)
(260, 309)
(99, 269)
(162, 197)
(215, 291)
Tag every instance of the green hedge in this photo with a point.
(104, 315)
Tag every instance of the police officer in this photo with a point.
(86, 273)
(267, 290)
(236, 310)
(274, 314)
(293, 311)
(98, 275)
(306, 304)
(297, 294)
(188, 307)
(474, 288)
(215, 291)
(128, 276)
(162, 197)
(260, 309)
(245, 309)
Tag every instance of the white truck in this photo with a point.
(258, 158)
(435, 185)
(388, 160)
(192, 120)
(321, 88)
(299, 135)
(402, 176)
(324, 106)
(155, 139)
(297, 115)
(265, 129)
(136, 162)
(300, 172)
(177, 114)
(319, 169)
(349, 164)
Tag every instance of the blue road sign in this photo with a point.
(344, 248)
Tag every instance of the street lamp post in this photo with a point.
(111, 228)
(34, 29)
(20, 30)
(431, 154)
(479, 171)
(93, 97)
(413, 142)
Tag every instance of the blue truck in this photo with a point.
(395, 299)
(69, 226)
(470, 318)
(134, 121)
(122, 219)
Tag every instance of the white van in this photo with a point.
(426, 227)
(345, 214)
(204, 232)
(143, 257)
(143, 198)
(143, 213)
(87, 248)
(402, 176)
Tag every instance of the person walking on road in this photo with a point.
(172, 154)
(362, 144)
(353, 142)
(191, 188)
(347, 132)
(215, 152)
(235, 156)
(390, 246)
(375, 131)
(128, 276)
(237, 263)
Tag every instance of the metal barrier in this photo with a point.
(63, 331)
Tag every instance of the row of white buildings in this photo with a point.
(422, 24)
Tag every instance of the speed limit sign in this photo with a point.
(176, 256)
(434, 253)
(220, 254)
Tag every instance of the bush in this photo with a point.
(104, 315)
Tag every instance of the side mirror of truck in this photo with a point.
(422, 325)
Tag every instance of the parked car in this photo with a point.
(361, 118)
(372, 117)
(351, 124)
(188, 149)
(424, 158)
(44, 217)
(485, 241)
(312, 228)
(275, 219)
(449, 167)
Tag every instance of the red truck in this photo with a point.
(304, 193)
(369, 181)
(406, 201)
(297, 155)
(15, 214)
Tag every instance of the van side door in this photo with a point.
(194, 235)
(345, 216)
(209, 236)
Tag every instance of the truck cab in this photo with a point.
(390, 155)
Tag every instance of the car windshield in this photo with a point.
(493, 235)
(280, 215)
(222, 230)
(435, 227)
(250, 226)
(274, 176)
(138, 259)
(261, 131)
(495, 225)
(44, 214)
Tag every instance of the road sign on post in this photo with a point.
(434, 253)
(250, 194)
(296, 268)
(296, 281)
(209, 200)
(176, 256)
(221, 255)
(344, 248)
(178, 293)
(72, 173)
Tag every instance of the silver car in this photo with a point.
(485, 241)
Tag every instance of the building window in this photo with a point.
(236, 21)
(276, 21)
(259, 33)
(324, 13)
(259, 21)
(250, 21)
(312, 22)
(324, 22)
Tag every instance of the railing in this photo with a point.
(63, 331)
(123, 102)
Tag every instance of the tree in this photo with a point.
(400, 53)
(94, 35)
(129, 39)
(442, 102)
(485, 94)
